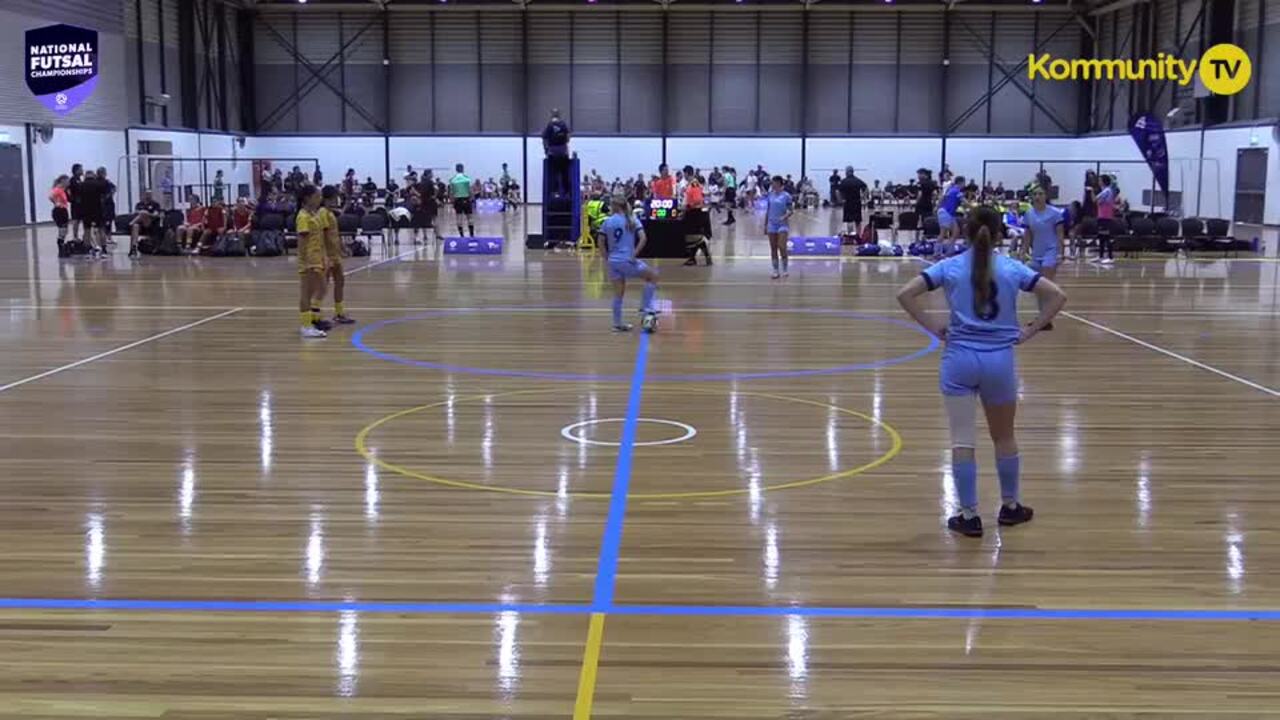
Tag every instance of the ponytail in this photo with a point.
(981, 238)
(623, 208)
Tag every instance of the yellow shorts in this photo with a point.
(312, 257)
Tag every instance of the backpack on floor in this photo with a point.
(868, 250)
(359, 248)
(164, 244)
(76, 247)
(228, 245)
(267, 243)
(868, 234)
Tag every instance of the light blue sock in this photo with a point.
(775, 263)
(1010, 470)
(647, 300)
(617, 310)
(966, 478)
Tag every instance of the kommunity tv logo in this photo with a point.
(1225, 69)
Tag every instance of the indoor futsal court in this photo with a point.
(316, 401)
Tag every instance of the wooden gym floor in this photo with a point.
(202, 516)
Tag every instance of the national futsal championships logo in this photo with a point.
(61, 65)
(1224, 69)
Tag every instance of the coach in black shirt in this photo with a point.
(851, 189)
(927, 188)
(147, 219)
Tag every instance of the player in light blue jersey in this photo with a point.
(982, 289)
(777, 213)
(623, 238)
(948, 207)
(1045, 235)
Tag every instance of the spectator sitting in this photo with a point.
(146, 219)
(215, 222)
(242, 217)
(189, 233)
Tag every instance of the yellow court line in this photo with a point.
(362, 447)
(590, 663)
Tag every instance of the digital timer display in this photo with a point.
(662, 209)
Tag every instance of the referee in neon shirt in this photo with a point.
(463, 204)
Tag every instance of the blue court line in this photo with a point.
(611, 544)
(464, 608)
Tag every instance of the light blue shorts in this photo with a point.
(778, 227)
(623, 269)
(945, 219)
(992, 374)
(1043, 259)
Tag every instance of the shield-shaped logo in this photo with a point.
(61, 65)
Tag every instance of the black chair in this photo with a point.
(1142, 235)
(1193, 234)
(373, 225)
(120, 225)
(174, 219)
(1168, 237)
(1219, 233)
(348, 225)
(269, 221)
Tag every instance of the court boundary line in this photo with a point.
(1169, 353)
(118, 350)
(917, 612)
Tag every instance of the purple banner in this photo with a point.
(1148, 132)
(61, 65)
(814, 245)
(473, 246)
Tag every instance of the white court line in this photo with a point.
(120, 349)
(1270, 391)
(383, 261)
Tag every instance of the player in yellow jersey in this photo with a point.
(333, 253)
(312, 220)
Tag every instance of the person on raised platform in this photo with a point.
(555, 143)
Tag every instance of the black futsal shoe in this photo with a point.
(691, 261)
(971, 527)
(323, 325)
(1047, 327)
(624, 327)
(1016, 515)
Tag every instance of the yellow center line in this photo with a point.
(590, 663)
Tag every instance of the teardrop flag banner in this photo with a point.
(61, 65)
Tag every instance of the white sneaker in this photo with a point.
(313, 332)
(775, 274)
(1108, 261)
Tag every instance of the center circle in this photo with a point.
(371, 456)
(361, 340)
(567, 431)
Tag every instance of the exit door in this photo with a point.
(11, 191)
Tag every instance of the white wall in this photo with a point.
(91, 148)
(780, 156)
(17, 135)
(335, 154)
(885, 159)
(612, 157)
(1216, 189)
(482, 156)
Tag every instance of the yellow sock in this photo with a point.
(307, 318)
(339, 308)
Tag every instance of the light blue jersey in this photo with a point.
(621, 239)
(994, 326)
(1043, 228)
(779, 204)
